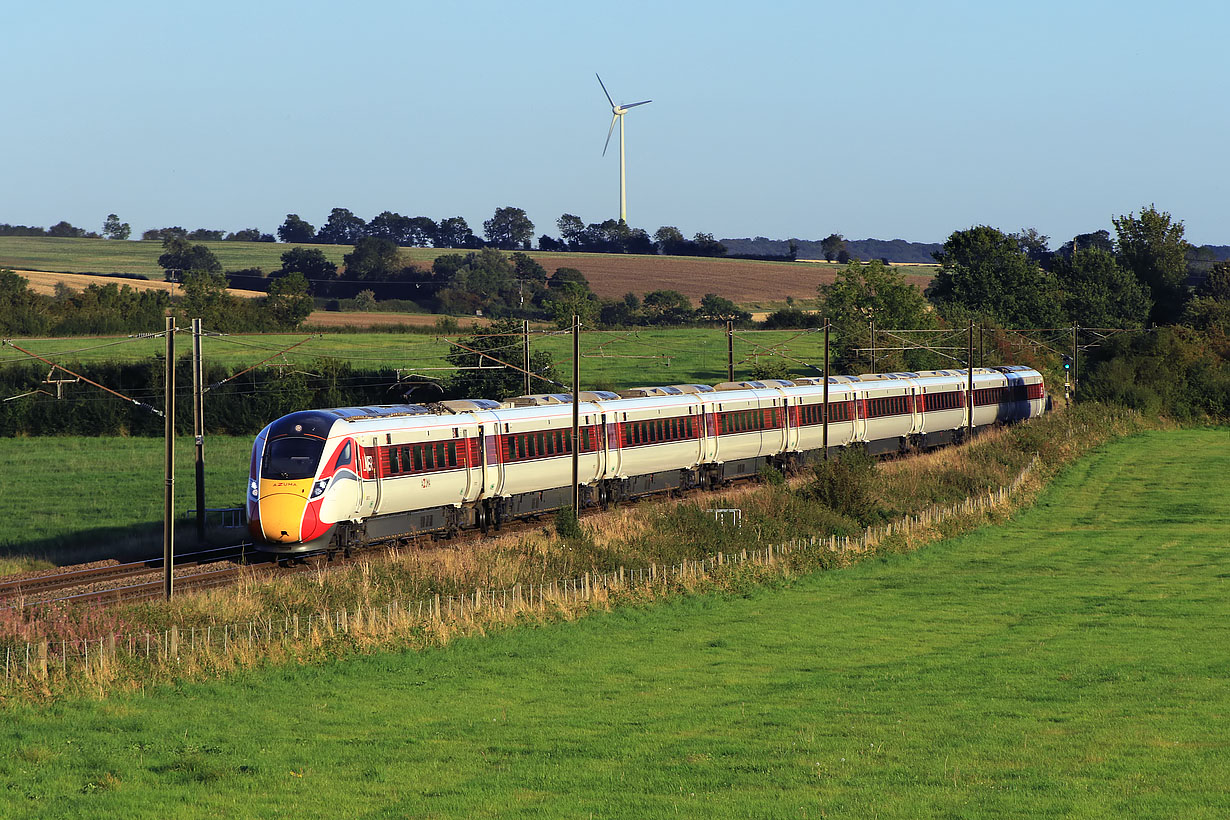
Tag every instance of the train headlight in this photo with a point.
(253, 489)
(318, 489)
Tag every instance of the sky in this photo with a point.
(781, 119)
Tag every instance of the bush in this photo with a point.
(846, 485)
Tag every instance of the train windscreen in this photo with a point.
(292, 458)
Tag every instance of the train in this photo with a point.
(339, 478)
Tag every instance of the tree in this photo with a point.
(1085, 241)
(831, 246)
(422, 231)
(1033, 244)
(206, 235)
(163, 234)
(504, 382)
(289, 302)
(1098, 292)
(508, 228)
(248, 235)
(1209, 308)
(296, 231)
(454, 232)
(572, 299)
(393, 227)
(571, 230)
(21, 311)
(667, 307)
(311, 262)
(372, 258)
(719, 309)
(65, 229)
(114, 229)
(205, 297)
(873, 292)
(181, 255)
(566, 276)
(342, 228)
(670, 240)
(982, 270)
(705, 245)
(1153, 248)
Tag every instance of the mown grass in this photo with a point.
(608, 359)
(1068, 663)
(70, 499)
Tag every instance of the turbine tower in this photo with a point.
(617, 114)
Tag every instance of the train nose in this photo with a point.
(282, 507)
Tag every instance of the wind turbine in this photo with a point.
(617, 114)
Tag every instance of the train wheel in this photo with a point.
(480, 517)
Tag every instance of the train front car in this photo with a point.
(294, 463)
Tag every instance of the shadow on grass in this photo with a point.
(137, 542)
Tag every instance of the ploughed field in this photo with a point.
(1071, 662)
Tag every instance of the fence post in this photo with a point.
(173, 649)
(40, 661)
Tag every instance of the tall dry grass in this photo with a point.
(408, 598)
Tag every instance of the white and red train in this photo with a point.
(327, 479)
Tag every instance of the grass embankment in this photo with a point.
(636, 536)
(65, 500)
(1068, 663)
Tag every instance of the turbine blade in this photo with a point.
(604, 91)
(634, 105)
(609, 131)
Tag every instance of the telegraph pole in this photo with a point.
(730, 350)
(970, 387)
(1075, 365)
(826, 389)
(871, 328)
(168, 493)
(525, 351)
(198, 426)
(576, 414)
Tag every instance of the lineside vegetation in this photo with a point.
(1066, 663)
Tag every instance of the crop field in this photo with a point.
(67, 499)
(761, 284)
(614, 359)
(1068, 663)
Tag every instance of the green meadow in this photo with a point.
(1069, 663)
(67, 498)
(614, 359)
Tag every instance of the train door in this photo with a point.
(709, 452)
(489, 456)
(860, 416)
(600, 452)
(610, 435)
(790, 420)
(369, 477)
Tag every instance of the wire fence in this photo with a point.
(44, 664)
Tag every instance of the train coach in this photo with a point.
(337, 478)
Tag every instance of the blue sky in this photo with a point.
(882, 119)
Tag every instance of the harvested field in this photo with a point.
(332, 318)
(43, 282)
(740, 280)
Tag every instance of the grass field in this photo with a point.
(609, 359)
(762, 284)
(102, 497)
(1070, 663)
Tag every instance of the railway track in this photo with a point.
(37, 587)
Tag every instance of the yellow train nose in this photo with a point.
(282, 504)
